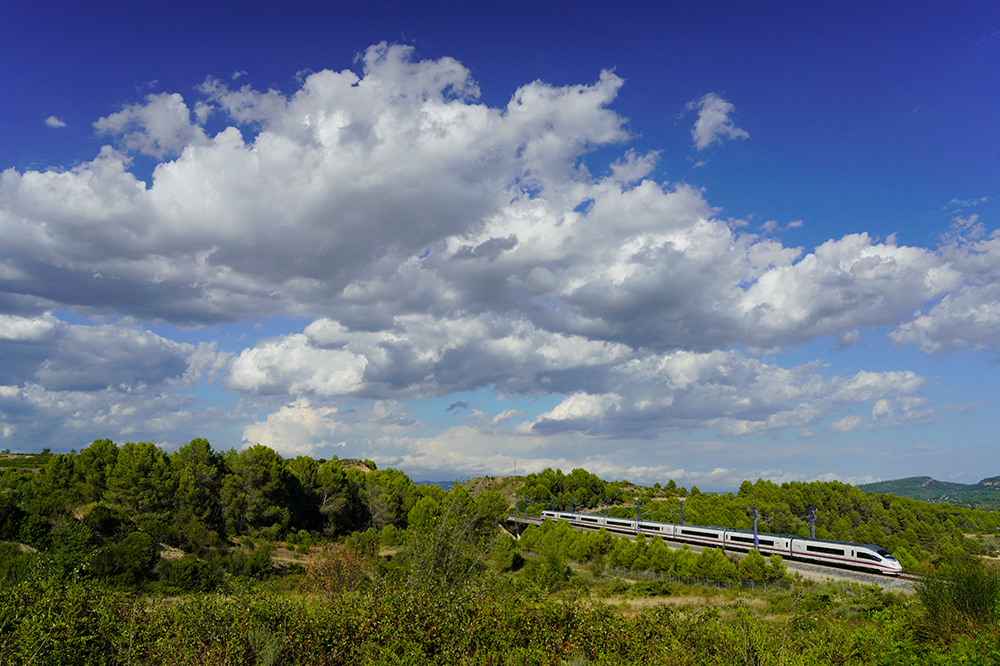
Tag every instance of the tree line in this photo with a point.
(919, 534)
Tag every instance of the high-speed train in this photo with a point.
(831, 553)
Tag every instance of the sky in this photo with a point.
(705, 241)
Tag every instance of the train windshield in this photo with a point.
(884, 553)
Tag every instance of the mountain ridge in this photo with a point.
(982, 495)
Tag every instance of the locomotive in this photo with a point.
(821, 551)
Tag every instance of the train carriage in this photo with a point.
(846, 554)
(820, 551)
(767, 544)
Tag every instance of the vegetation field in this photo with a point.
(128, 555)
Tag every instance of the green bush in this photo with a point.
(189, 574)
(72, 543)
(652, 588)
(963, 597)
(36, 532)
(11, 518)
(17, 565)
(255, 565)
(108, 521)
(549, 572)
(128, 564)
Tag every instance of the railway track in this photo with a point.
(912, 577)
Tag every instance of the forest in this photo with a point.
(127, 554)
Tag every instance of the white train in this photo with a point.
(831, 553)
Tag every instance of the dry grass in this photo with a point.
(688, 603)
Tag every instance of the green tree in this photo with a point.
(58, 487)
(142, 482)
(197, 518)
(95, 464)
(713, 564)
(388, 496)
(255, 493)
(753, 566)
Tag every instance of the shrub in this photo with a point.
(257, 564)
(653, 588)
(35, 531)
(128, 564)
(11, 518)
(17, 565)
(189, 574)
(110, 522)
(337, 571)
(72, 543)
(964, 596)
(549, 572)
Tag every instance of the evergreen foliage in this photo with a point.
(915, 532)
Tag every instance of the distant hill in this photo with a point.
(983, 495)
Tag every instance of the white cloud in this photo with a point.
(967, 319)
(13, 327)
(581, 407)
(966, 203)
(713, 124)
(290, 366)
(365, 199)
(881, 409)
(160, 127)
(295, 429)
(52, 121)
(847, 424)
(431, 244)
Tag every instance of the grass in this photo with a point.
(24, 461)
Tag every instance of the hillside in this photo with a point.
(983, 495)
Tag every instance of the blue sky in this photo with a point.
(700, 241)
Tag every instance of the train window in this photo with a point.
(707, 535)
(884, 553)
(743, 539)
(619, 522)
(824, 549)
(868, 556)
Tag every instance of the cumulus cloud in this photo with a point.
(847, 424)
(368, 199)
(611, 390)
(713, 124)
(433, 244)
(160, 127)
(13, 327)
(968, 317)
(52, 121)
(295, 429)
